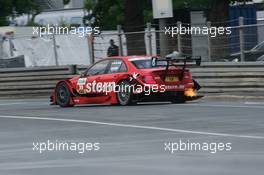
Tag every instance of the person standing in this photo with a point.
(112, 49)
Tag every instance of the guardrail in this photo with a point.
(215, 78)
(37, 81)
(242, 81)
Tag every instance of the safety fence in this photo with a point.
(234, 40)
(242, 42)
(243, 79)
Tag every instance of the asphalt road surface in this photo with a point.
(134, 140)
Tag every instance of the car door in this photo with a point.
(115, 71)
(92, 80)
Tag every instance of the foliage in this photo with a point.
(16, 8)
(177, 4)
(65, 2)
(108, 14)
(5, 10)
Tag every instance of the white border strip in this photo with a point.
(16, 103)
(223, 106)
(133, 126)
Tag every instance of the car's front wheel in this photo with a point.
(63, 95)
(124, 94)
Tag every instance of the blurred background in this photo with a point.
(132, 27)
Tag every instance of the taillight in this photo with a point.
(148, 79)
(187, 75)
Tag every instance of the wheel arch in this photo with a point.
(67, 82)
(123, 77)
(69, 85)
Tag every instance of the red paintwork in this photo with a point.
(111, 97)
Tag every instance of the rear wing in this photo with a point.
(183, 61)
(172, 60)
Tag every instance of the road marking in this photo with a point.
(23, 103)
(225, 106)
(134, 126)
(6, 104)
(254, 103)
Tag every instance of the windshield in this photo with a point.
(146, 63)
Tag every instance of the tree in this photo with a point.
(134, 14)
(18, 7)
(130, 14)
(217, 10)
(105, 13)
(109, 13)
(5, 10)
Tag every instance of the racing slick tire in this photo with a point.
(125, 95)
(63, 95)
(179, 98)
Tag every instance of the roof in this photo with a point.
(129, 57)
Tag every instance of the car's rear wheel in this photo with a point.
(124, 95)
(179, 98)
(63, 95)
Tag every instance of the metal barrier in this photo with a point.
(38, 81)
(244, 79)
(219, 47)
(235, 45)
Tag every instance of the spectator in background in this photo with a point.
(2, 40)
(112, 49)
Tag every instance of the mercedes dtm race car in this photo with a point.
(130, 79)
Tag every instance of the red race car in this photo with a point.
(130, 79)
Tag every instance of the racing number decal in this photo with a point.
(80, 85)
(81, 81)
(153, 62)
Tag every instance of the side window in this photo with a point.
(98, 68)
(117, 66)
(123, 67)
